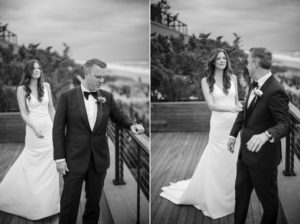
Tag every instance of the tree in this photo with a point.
(58, 70)
(177, 68)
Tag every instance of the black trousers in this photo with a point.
(70, 198)
(265, 184)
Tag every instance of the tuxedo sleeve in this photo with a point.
(118, 116)
(238, 124)
(279, 107)
(59, 128)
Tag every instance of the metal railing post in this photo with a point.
(138, 185)
(118, 163)
(289, 155)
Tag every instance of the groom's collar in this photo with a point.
(263, 79)
(83, 89)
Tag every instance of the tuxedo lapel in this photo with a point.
(251, 106)
(246, 104)
(99, 113)
(82, 108)
(256, 99)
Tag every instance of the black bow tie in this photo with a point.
(86, 94)
(253, 85)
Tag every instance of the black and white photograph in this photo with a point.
(74, 112)
(149, 111)
(225, 118)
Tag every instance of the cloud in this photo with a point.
(271, 23)
(89, 27)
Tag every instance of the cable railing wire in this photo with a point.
(292, 142)
(134, 152)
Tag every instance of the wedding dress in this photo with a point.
(211, 188)
(31, 186)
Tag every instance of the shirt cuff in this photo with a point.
(60, 160)
(232, 137)
(271, 138)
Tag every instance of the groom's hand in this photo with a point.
(62, 167)
(137, 129)
(230, 144)
(256, 142)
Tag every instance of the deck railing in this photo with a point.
(7, 35)
(132, 150)
(168, 20)
(292, 142)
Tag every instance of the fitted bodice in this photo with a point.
(38, 109)
(221, 98)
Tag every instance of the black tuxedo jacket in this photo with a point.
(269, 112)
(72, 136)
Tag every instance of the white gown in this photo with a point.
(31, 186)
(211, 188)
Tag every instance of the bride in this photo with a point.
(31, 187)
(211, 188)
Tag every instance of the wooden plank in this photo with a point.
(188, 116)
(12, 128)
(169, 161)
(174, 163)
(189, 165)
(191, 215)
(179, 173)
(160, 181)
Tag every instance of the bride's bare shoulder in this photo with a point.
(204, 81)
(21, 89)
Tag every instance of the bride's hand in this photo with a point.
(236, 109)
(239, 104)
(38, 133)
(230, 144)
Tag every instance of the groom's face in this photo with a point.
(251, 65)
(95, 78)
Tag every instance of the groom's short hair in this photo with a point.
(263, 55)
(90, 63)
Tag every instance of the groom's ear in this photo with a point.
(256, 62)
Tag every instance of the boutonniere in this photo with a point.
(258, 92)
(100, 99)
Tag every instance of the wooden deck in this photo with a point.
(174, 157)
(9, 152)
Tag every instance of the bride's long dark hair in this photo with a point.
(27, 76)
(210, 71)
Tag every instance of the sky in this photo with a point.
(111, 30)
(274, 24)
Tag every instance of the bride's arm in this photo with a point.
(50, 105)
(24, 113)
(210, 100)
(237, 102)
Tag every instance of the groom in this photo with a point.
(80, 142)
(263, 122)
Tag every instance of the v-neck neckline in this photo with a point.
(37, 98)
(218, 87)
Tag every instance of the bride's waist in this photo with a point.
(40, 119)
(39, 115)
(219, 114)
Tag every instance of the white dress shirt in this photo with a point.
(91, 108)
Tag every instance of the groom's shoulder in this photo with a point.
(70, 92)
(276, 85)
(105, 93)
